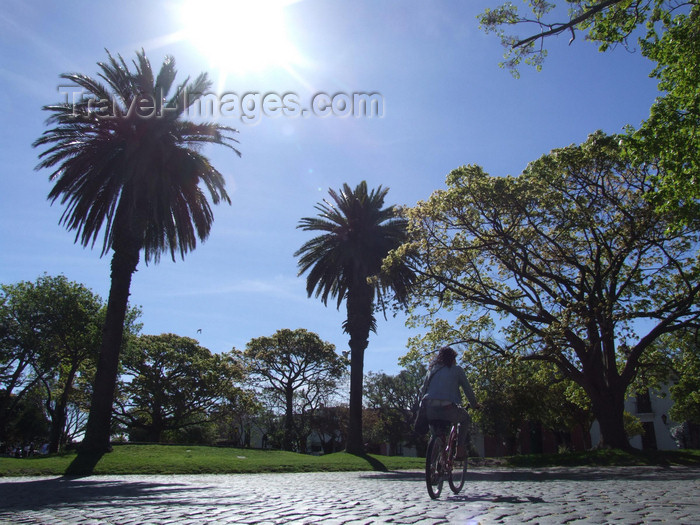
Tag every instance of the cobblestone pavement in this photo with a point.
(554, 495)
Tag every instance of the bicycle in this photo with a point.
(440, 460)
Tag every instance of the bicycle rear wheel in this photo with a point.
(458, 474)
(434, 468)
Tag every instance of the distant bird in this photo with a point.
(199, 330)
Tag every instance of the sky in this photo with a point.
(441, 102)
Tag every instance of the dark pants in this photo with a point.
(454, 414)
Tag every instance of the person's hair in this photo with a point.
(446, 357)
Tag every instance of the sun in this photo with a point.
(240, 36)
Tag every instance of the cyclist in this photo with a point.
(441, 393)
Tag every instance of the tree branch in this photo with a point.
(555, 29)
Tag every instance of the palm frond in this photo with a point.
(120, 172)
(166, 77)
(358, 233)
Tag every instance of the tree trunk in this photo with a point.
(98, 430)
(58, 423)
(606, 389)
(156, 428)
(288, 420)
(359, 308)
(354, 443)
(58, 418)
(608, 408)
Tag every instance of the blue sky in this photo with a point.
(446, 103)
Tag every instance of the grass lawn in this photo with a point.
(607, 457)
(180, 459)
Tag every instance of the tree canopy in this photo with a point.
(49, 336)
(171, 382)
(297, 368)
(686, 390)
(395, 400)
(567, 263)
(668, 33)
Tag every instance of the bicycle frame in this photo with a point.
(448, 451)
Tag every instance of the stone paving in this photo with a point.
(628, 495)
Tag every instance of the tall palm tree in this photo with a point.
(345, 262)
(128, 164)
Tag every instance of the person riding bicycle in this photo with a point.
(441, 393)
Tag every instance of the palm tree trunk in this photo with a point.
(354, 444)
(359, 308)
(97, 433)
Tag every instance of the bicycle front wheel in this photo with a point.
(434, 466)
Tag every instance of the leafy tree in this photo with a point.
(607, 22)
(395, 399)
(568, 261)
(510, 397)
(77, 412)
(297, 368)
(27, 422)
(126, 162)
(307, 405)
(672, 131)
(686, 391)
(330, 424)
(344, 262)
(668, 33)
(19, 349)
(518, 391)
(234, 417)
(70, 337)
(172, 383)
(51, 336)
(271, 426)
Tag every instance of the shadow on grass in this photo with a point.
(373, 462)
(674, 457)
(83, 465)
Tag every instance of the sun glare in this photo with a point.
(239, 36)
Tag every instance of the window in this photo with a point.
(643, 403)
